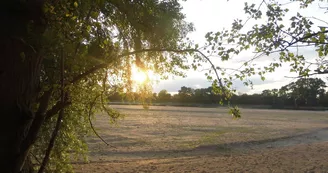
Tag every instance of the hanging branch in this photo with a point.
(104, 89)
(91, 125)
(59, 119)
(92, 104)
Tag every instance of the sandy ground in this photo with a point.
(176, 139)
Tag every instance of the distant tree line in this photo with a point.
(305, 92)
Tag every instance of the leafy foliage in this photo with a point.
(101, 41)
(271, 38)
(274, 37)
(164, 96)
(235, 112)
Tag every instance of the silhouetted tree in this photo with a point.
(164, 96)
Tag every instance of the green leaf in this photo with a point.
(322, 38)
(94, 15)
(76, 4)
(88, 28)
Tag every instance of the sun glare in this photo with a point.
(139, 76)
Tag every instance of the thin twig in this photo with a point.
(318, 19)
(36, 159)
(318, 73)
(287, 3)
(257, 55)
(258, 9)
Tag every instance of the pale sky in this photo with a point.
(214, 15)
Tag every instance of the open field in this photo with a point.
(185, 139)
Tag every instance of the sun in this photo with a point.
(139, 76)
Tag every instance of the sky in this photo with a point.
(214, 15)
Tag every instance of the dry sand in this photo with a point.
(180, 139)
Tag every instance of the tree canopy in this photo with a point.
(69, 55)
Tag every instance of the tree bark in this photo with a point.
(20, 63)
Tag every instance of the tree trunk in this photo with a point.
(20, 64)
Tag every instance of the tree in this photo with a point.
(59, 59)
(267, 96)
(202, 95)
(266, 93)
(324, 100)
(272, 36)
(175, 98)
(186, 94)
(164, 96)
(305, 91)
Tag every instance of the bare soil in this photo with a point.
(186, 139)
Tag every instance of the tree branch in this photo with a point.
(306, 37)
(37, 121)
(56, 108)
(90, 121)
(318, 19)
(320, 72)
(88, 72)
(59, 120)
